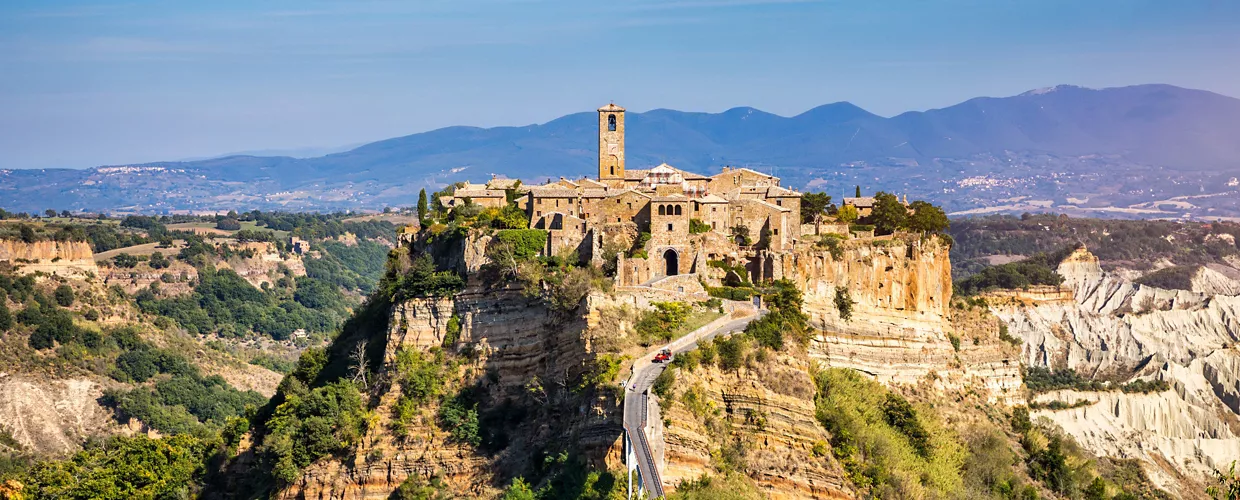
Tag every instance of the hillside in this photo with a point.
(113, 331)
(1140, 151)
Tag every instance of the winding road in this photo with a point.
(637, 395)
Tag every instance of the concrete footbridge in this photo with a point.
(643, 428)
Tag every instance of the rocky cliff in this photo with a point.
(770, 411)
(513, 340)
(1110, 328)
(902, 323)
(66, 258)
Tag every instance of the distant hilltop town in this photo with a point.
(684, 219)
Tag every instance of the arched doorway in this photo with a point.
(673, 262)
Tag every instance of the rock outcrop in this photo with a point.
(64, 258)
(515, 339)
(771, 411)
(1110, 328)
(52, 417)
(901, 326)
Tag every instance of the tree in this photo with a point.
(158, 261)
(422, 209)
(927, 218)
(64, 295)
(6, 318)
(518, 490)
(228, 224)
(51, 212)
(889, 214)
(858, 191)
(848, 214)
(124, 260)
(1227, 484)
(65, 214)
(814, 206)
(27, 234)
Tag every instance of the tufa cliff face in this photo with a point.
(902, 323)
(515, 340)
(1110, 328)
(65, 258)
(770, 411)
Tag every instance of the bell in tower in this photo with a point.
(611, 142)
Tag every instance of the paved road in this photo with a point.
(635, 403)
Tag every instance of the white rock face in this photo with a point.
(1114, 329)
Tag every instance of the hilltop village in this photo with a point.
(677, 220)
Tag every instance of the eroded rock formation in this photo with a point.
(1110, 328)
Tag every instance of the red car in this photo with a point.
(663, 356)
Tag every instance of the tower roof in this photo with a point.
(611, 107)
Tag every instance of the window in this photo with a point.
(677, 209)
(775, 231)
(712, 210)
(712, 225)
(779, 203)
(611, 123)
(538, 213)
(613, 170)
(557, 203)
(669, 227)
(661, 210)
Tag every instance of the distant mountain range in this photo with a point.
(1119, 151)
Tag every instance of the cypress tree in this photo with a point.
(422, 205)
(6, 319)
(858, 191)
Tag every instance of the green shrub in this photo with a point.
(843, 303)
(326, 420)
(696, 226)
(65, 295)
(1015, 275)
(730, 293)
(834, 243)
(663, 383)
(124, 467)
(1171, 278)
(525, 243)
(883, 442)
(661, 323)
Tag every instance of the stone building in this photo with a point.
(660, 201)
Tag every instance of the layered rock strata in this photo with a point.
(64, 258)
(1110, 328)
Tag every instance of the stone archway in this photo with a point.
(673, 262)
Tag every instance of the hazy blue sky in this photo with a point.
(90, 83)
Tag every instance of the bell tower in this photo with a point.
(611, 143)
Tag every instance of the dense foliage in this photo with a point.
(1171, 278)
(1040, 379)
(1133, 243)
(785, 319)
(357, 267)
(223, 302)
(123, 468)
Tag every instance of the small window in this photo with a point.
(677, 209)
(669, 227)
(661, 210)
(557, 203)
(611, 123)
(712, 225)
(779, 203)
(538, 213)
(613, 170)
(775, 231)
(712, 210)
